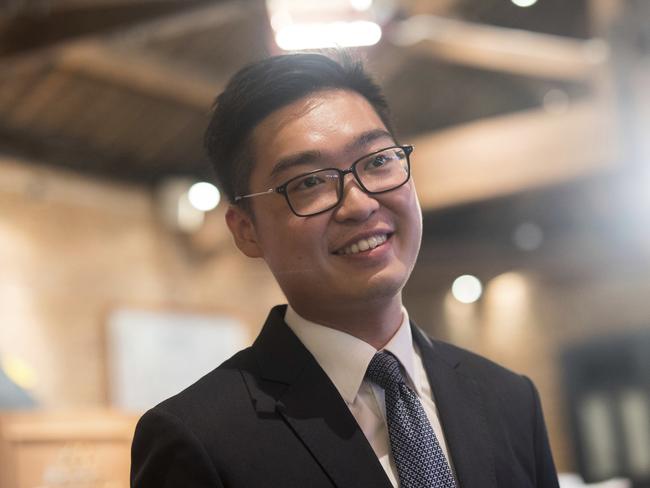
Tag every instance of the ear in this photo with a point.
(243, 231)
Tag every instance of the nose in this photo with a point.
(355, 204)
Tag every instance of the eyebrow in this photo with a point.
(310, 157)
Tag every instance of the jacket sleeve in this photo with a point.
(545, 474)
(166, 454)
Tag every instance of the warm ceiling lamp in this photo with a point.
(524, 3)
(317, 24)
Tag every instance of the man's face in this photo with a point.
(311, 257)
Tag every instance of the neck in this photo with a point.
(374, 323)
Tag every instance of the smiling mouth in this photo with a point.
(364, 244)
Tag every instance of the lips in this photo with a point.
(363, 244)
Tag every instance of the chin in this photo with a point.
(379, 287)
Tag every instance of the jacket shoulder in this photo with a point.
(487, 373)
(219, 388)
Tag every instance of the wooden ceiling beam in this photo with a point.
(138, 72)
(117, 60)
(45, 6)
(195, 20)
(511, 153)
(501, 49)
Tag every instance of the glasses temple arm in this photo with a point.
(241, 197)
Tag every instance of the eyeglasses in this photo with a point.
(321, 190)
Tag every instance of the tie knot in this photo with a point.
(384, 370)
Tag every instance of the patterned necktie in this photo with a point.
(418, 456)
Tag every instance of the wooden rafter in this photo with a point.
(503, 155)
(117, 60)
(195, 20)
(63, 5)
(138, 72)
(503, 49)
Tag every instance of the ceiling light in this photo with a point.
(317, 35)
(467, 289)
(318, 24)
(204, 196)
(361, 5)
(524, 3)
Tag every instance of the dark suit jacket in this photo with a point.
(270, 417)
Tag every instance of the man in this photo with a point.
(339, 389)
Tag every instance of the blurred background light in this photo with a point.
(467, 289)
(204, 196)
(524, 3)
(328, 35)
(508, 291)
(324, 24)
(509, 319)
(19, 371)
(361, 5)
(528, 236)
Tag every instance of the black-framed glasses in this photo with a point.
(320, 190)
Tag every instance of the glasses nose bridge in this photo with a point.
(355, 177)
(343, 193)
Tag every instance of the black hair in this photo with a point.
(261, 88)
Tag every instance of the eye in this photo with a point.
(309, 182)
(378, 161)
(383, 160)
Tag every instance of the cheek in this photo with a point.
(295, 243)
(414, 202)
(416, 211)
(407, 209)
(407, 205)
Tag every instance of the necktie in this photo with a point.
(418, 456)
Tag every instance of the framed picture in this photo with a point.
(153, 355)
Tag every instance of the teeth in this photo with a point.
(364, 244)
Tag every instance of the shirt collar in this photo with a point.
(401, 346)
(345, 358)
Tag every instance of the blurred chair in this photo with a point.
(607, 382)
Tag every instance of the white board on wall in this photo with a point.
(154, 355)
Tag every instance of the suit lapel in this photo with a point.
(292, 384)
(459, 402)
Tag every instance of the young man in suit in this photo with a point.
(339, 389)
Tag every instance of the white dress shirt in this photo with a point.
(345, 359)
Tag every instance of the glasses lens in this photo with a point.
(314, 192)
(384, 170)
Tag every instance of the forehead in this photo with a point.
(324, 121)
